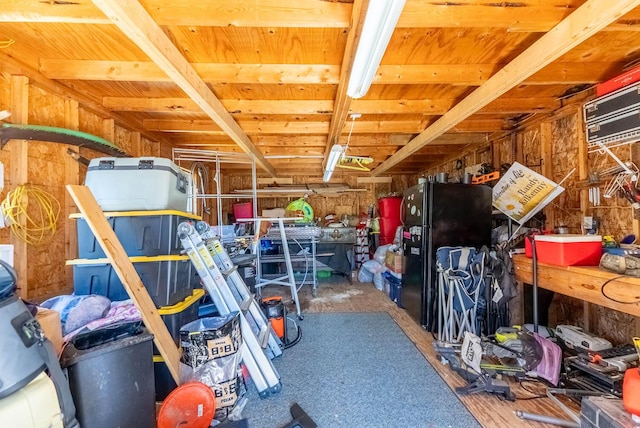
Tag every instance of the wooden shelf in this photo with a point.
(582, 282)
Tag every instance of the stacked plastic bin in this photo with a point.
(151, 242)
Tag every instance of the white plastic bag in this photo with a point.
(374, 266)
(364, 275)
(378, 281)
(381, 253)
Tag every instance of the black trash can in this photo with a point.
(112, 381)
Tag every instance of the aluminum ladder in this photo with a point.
(263, 373)
(255, 316)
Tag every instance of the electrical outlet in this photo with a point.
(355, 116)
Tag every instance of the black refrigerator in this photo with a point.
(437, 215)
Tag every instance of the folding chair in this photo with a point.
(460, 284)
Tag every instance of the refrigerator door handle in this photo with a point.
(402, 211)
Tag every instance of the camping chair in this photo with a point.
(460, 284)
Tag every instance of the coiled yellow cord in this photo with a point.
(32, 214)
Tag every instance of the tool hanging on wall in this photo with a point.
(594, 188)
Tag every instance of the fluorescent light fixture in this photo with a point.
(379, 23)
(334, 156)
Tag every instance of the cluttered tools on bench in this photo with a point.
(570, 361)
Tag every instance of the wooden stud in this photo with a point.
(123, 267)
(546, 154)
(19, 172)
(72, 176)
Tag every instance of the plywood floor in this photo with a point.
(337, 295)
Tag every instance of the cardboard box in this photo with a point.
(394, 261)
(51, 326)
(273, 213)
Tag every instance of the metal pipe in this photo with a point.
(546, 419)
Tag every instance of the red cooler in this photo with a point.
(569, 250)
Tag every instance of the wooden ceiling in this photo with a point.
(269, 77)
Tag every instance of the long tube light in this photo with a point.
(379, 23)
(334, 156)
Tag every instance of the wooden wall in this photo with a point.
(554, 147)
(349, 203)
(41, 268)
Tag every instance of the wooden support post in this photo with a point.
(19, 173)
(546, 153)
(583, 174)
(72, 176)
(123, 267)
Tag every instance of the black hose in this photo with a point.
(288, 345)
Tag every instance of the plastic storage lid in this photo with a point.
(192, 405)
(567, 238)
(132, 259)
(182, 306)
(145, 213)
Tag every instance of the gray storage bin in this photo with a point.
(112, 384)
(168, 279)
(141, 233)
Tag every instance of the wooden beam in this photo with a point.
(274, 180)
(19, 174)
(373, 180)
(586, 21)
(402, 106)
(127, 274)
(277, 127)
(305, 74)
(137, 24)
(11, 65)
(527, 16)
(342, 100)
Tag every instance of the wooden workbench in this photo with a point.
(582, 282)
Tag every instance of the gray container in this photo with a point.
(113, 384)
(130, 184)
(20, 360)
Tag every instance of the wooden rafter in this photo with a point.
(580, 25)
(137, 24)
(530, 16)
(426, 107)
(298, 74)
(299, 127)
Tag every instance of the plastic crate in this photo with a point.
(164, 382)
(141, 233)
(182, 313)
(168, 279)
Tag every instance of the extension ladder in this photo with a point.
(260, 326)
(261, 370)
